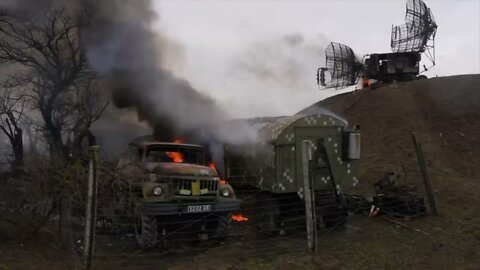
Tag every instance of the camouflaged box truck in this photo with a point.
(173, 185)
(273, 165)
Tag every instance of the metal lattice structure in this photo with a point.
(341, 64)
(409, 42)
(418, 32)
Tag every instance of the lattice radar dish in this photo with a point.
(418, 32)
(342, 66)
(408, 42)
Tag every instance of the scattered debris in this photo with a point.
(398, 200)
(401, 201)
(403, 225)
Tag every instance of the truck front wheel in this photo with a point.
(146, 230)
(224, 221)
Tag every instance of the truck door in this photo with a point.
(320, 164)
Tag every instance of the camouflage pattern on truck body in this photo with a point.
(274, 164)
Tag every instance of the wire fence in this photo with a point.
(265, 224)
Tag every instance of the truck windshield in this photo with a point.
(176, 154)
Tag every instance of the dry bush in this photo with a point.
(50, 195)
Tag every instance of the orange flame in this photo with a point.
(239, 218)
(212, 165)
(176, 157)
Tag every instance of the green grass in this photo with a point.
(4, 267)
(449, 241)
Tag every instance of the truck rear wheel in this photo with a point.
(146, 230)
(334, 217)
(407, 78)
(268, 213)
(329, 210)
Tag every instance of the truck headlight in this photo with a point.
(157, 191)
(226, 192)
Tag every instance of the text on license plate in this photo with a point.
(198, 208)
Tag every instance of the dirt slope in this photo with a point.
(444, 112)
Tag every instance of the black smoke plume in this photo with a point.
(123, 48)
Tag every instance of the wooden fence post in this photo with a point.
(307, 191)
(91, 209)
(426, 177)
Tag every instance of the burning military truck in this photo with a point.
(172, 182)
(273, 166)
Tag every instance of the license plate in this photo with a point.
(198, 208)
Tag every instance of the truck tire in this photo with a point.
(268, 213)
(336, 217)
(422, 77)
(329, 210)
(146, 231)
(224, 221)
(408, 78)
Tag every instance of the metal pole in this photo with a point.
(306, 157)
(426, 177)
(314, 208)
(312, 189)
(91, 209)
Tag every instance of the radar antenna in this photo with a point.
(341, 64)
(418, 32)
(408, 42)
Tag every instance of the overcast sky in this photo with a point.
(260, 57)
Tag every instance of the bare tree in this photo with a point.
(49, 48)
(85, 107)
(32, 133)
(11, 111)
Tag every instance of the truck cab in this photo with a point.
(173, 182)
